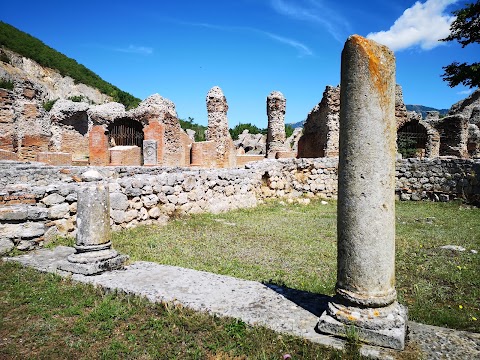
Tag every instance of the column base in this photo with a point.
(384, 327)
(93, 262)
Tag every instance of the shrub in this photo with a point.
(252, 129)
(4, 57)
(47, 105)
(6, 84)
(76, 98)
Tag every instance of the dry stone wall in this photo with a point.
(37, 202)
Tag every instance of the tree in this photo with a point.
(466, 30)
(252, 129)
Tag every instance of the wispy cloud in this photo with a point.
(423, 24)
(465, 92)
(303, 50)
(133, 49)
(314, 11)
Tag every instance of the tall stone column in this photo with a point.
(217, 131)
(365, 290)
(276, 105)
(94, 253)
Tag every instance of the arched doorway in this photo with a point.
(412, 140)
(125, 132)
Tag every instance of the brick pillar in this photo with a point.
(98, 146)
(156, 131)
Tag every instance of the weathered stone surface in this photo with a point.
(467, 107)
(217, 131)
(118, 201)
(251, 143)
(365, 288)
(321, 130)
(6, 245)
(276, 108)
(22, 230)
(93, 262)
(150, 152)
(106, 113)
(58, 211)
(91, 175)
(93, 216)
(13, 213)
(53, 199)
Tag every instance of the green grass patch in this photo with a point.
(43, 316)
(295, 246)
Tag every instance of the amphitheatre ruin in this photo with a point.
(153, 170)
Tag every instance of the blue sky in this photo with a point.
(181, 49)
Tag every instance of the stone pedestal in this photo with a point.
(94, 253)
(365, 290)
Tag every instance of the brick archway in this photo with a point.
(125, 132)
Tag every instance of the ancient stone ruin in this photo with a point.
(217, 132)
(321, 129)
(365, 290)
(94, 253)
(276, 107)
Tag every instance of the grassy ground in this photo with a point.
(42, 316)
(295, 245)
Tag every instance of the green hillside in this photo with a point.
(31, 47)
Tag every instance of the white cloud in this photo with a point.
(316, 12)
(302, 49)
(421, 25)
(465, 92)
(132, 49)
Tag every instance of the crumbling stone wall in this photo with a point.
(453, 131)
(70, 125)
(321, 130)
(7, 130)
(152, 195)
(401, 114)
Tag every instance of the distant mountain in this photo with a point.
(423, 110)
(297, 124)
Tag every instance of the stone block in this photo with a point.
(53, 199)
(22, 230)
(6, 245)
(118, 201)
(125, 155)
(244, 159)
(13, 213)
(7, 155)
(55, 158)
(58, 211)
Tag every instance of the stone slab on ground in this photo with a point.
(281, 309)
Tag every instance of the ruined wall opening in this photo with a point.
(412, 140)
(125, 132)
